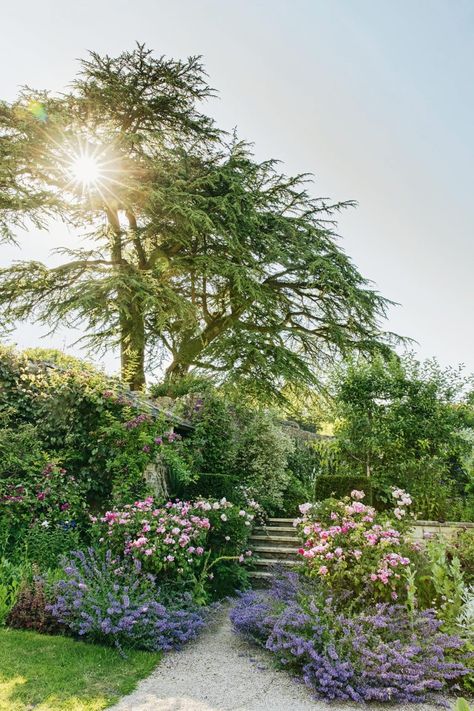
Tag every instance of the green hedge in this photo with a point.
(338, 486)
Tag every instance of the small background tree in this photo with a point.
(403, 423)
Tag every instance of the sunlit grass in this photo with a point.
(59, 674)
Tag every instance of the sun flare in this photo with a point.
(86, 170)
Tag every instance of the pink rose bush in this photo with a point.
(178, 539)
(352, 547)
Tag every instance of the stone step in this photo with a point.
(279, 521)
(260, 574)
(275, 552)
(270, 562)
(275, 531)
(274, 540)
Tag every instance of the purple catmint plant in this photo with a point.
(109, 600)
(382, 654)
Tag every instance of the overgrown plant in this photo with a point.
(110, 600)
(378, 654)
(351, 547)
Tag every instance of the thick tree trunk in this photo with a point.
(132, 323)
(177, 370)
(132, 348)
(191, 348)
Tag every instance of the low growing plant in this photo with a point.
(380, 654)
(113, 601)
(12, 576)
(31, 610)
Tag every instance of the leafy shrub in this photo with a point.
(31, 610)
(381, 654)
(262, 460)
(465, 619)
(303, 465)
(45, 543)
(49, 497)
(445, 581)
(212, 448)
(336, 487)
(101, 434)
(129, 443)
(112, 601)
(12, 576)
(180, 542)
(352, 548)
(463, 548)
(406, 423)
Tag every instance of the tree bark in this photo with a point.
(132, 348)
(191, 348)
(132, 323)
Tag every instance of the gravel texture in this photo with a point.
(222, 672)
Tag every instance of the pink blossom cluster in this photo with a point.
(389, 563)
(173, 535)
(403, 500)
(137, 421)
(169, 534)
(350, 541)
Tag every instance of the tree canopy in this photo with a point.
(405, 423)
(197, 256)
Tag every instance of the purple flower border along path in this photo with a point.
(220, 671)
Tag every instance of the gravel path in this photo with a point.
(221, 672)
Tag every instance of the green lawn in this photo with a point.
(58, 674)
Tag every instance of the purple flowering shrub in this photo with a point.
(352, 547)
(47, 493)
(129, 442)
(112, 601)
(383, 654)
(181, 541)
(42, 511)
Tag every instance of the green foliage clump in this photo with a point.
(12, 577)
(327, 487)
(403, 423)
(262, 460)
(212, 447)
(237, 451)
(462, 547)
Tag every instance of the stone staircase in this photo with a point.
(275, 543)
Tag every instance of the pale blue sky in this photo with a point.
(375, 97)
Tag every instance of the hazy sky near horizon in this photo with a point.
(376, 98)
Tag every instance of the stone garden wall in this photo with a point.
(424, 529)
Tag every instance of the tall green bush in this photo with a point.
(403, 423)
(262, 460)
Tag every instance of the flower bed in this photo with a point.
(181, 542)
(382, 654)
(105, 599)
(150, 578)
(370, 615)
(357, 548)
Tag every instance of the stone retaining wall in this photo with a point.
(423, 529)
